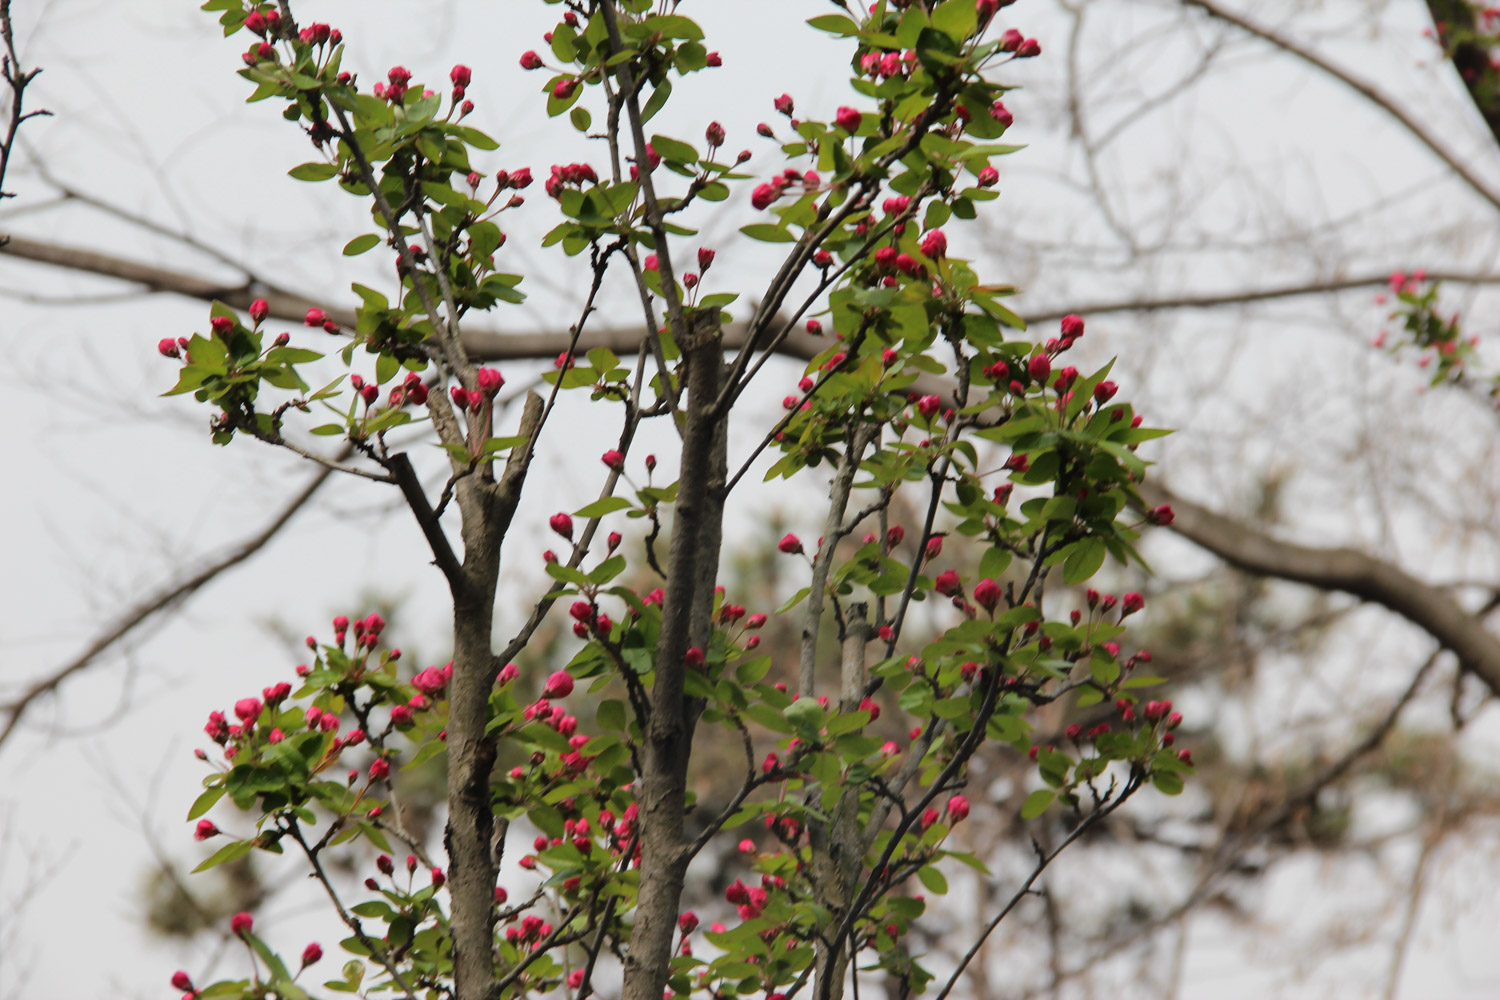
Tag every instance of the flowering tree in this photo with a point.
(923, 383)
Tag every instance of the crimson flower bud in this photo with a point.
(315, 317)
(763, 196)
(460, 75)
(438, 878)
(790, 544)
(714, 134)
(783, 104)
(489, 380)
(312, 953)
(935, 244)
(958, 808)
(559, 685)
(934, 547)
(168, 348)
(241, 923)
(929, 405)
(1131, 603)
(1039, 367)
(205, 830)
(1030, 47)
(987, 594)
(282, 339)
(705, 258)
(848, 119)
(180, 979)
(562, 524)
(1104, 392)
(1011, 40)
(613, 542)
(380, 769)
(1162, 515)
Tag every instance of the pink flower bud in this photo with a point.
(559, 685)
(311, 954)
(987, 594)
(988, 177)
(1131, 603)
(790, 544)
(847, 119)
(934, 547)
(461, 75)
(315, 317)
(489, 380)
(1029, 48)
(205, 830)
(241, 923)
(168, 348)
(247, 709)
(763, 196)
(562, 524)
(705, 258)
(714, 134)
(259, 310)
(935, 244)
(958, 808)
(180, 979)
(1011, 40)
(783, 104)
(380, 769)
(948, 584)
(1039, 367)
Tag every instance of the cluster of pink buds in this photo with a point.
(1022, 47)
(411, 390)
(888, 64)
(263, 24)
(318, 34)
(589, 619)
(765, 195)
(575, 174)
(395, 92)
(533, 931)
(317, 317)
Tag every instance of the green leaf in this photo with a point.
(205, 802)
(313, 171)
(1083, 561)
(602, 506)
(1037, 802)
(673, 26)
(673, 149)
(1167, 782)
(933, 880)
(229, 852)
(767, 233)
(360, 244)
(834, 24)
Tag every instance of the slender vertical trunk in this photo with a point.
(471, 757)
(691, 573)
(837, 854)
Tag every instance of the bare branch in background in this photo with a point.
(169, 597)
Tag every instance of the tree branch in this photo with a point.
(1254, 551)
(168, 597)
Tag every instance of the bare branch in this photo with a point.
(163, 599)
(1429, 607)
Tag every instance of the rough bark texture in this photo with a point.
(837, 854)
(691, 570)
(471, 874)
(487, 508)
